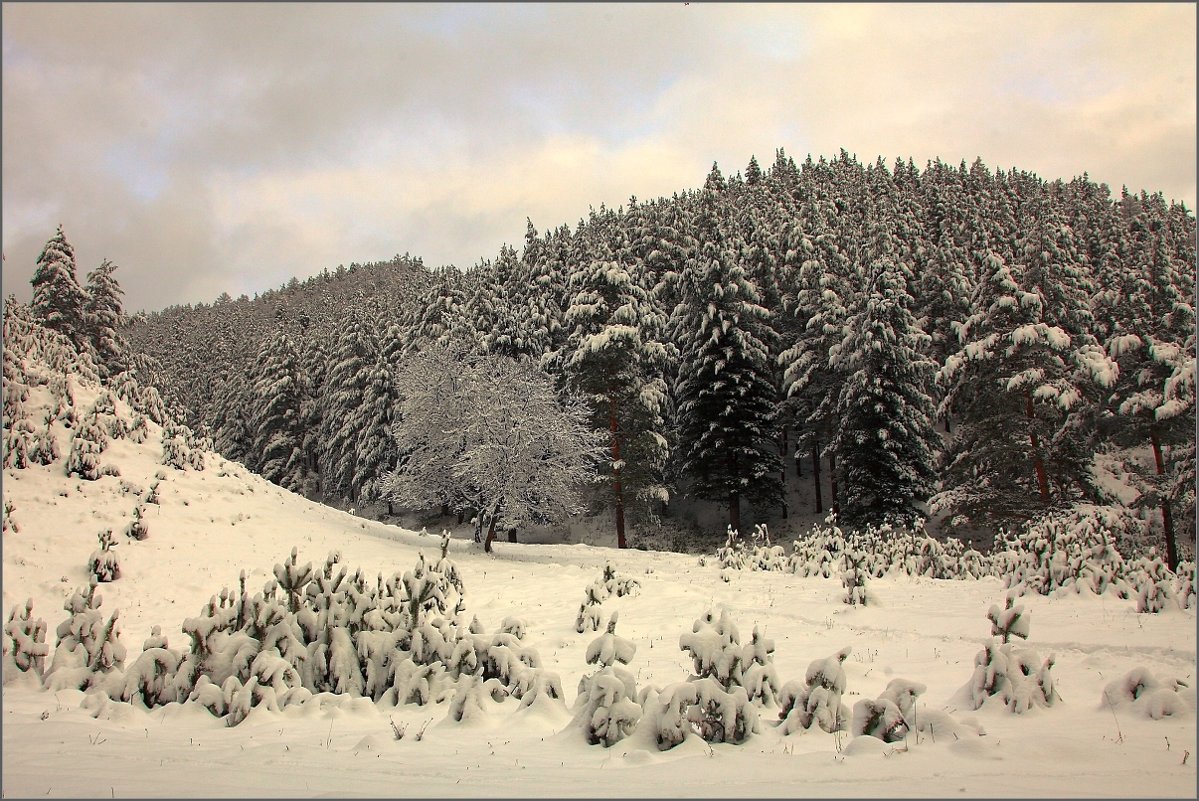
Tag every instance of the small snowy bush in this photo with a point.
(1142, 692)
(28, 634)
(816, 700)
(890, 716)
(607, 707)
(1018, 677)
(87, 443)
(88, 650)
(853, 577)
(137, 530)
(103, 563)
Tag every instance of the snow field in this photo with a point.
(210, 525)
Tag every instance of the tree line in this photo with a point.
(956, 342)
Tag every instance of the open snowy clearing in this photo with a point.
(211, 525)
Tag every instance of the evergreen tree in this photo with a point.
(884, 434)
(102, 318)
(275, 414)
(616, 362)
(348, 410)
(726, 414)
(58, 300)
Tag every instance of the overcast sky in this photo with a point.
(228, 147)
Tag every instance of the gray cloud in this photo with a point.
(214, 147)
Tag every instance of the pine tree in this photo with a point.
(344, 416)
(1152, 341)
(884, 436)
(726, 415)
(616, 361)
(102, 317)
(58, 300)
(275, 414)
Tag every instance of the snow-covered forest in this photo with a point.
(169, 610)
(966, 346)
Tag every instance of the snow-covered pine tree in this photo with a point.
(1152, 340)
(102, 319)
(725, 397)
(884, 435)
(616, 360)
(58, 300)
(819, 274)
(275, 413)
(348, 414)
(1020, 383)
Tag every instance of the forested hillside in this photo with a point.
(956, 342)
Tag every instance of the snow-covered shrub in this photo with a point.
(9, 522)
(139, 429)
(853, 577)
(43, 449)
(607, 707)
(1154, 583)
(18, 441)
(1074, 551)
(932, 560)
(763, 555)
(28, 634)
(150, 679)
(818, 553)
(137, 529)
(1142, 692)
(88, 650)
(1017, 676)
(890, 716)
(1008, 622)
(664, 713)
(590, 610)
(715, 648)
(619, 586)
(180, 448)
(732, 554)
(721, 710)
(103, 563)
(87, 443)
(758, 675)
(817, 699)
(470, 694)
(1184, 585)
(152, 494)
(721, 714)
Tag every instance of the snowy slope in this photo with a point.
(210, 525)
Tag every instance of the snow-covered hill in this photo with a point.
(211, 524)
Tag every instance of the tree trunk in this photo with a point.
(947, 429)
(445, 510)
(798, 459)
(735, 511)
(1167, 515)
(512, 535)
(490, 535)
(617, 489)
(461, 516)
(389, 509)
(832, 482)
(816, 476)
(1037, 462)
(783, 469)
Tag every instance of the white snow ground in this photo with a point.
(212, 524)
